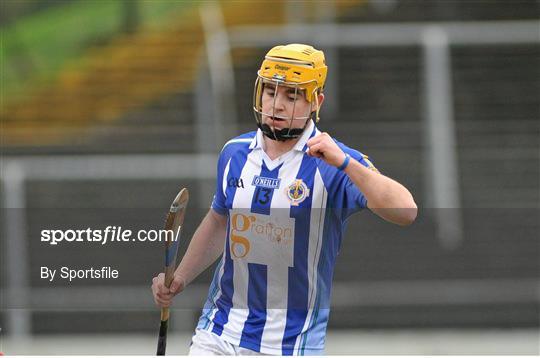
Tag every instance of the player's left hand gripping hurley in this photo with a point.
(175, 220)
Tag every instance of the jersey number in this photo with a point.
(265, 193)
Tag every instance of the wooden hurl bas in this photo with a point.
(175, 220)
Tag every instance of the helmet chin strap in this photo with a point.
(284, 134)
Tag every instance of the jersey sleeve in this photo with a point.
(346, 197)
(218, 202)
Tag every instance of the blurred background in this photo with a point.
(109, 107)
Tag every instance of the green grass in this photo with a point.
(36, 47)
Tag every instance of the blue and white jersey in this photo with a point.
(286, 217)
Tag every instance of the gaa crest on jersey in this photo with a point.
(297, 192)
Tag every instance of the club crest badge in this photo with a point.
(297, 192)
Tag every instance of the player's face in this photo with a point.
(280, 105)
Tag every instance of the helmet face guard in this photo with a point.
(300, 68)
(299, 91)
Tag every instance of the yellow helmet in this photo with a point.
(298, 64)
(295, 65)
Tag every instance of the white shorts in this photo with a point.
(205, 343)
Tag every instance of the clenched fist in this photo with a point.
(324, 147)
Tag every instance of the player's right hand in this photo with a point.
(162, 295)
